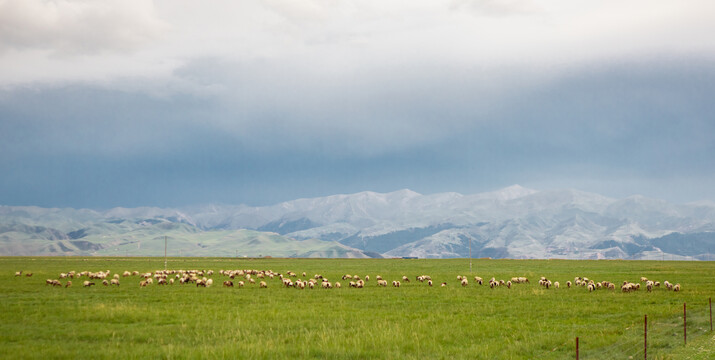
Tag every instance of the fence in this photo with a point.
(655, 336)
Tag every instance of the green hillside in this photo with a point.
(146, 237)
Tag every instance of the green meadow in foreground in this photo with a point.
(413, 321)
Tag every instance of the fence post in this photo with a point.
(710, 301)
(577, 348)
(685, 325)
(645, 338)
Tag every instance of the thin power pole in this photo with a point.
(470, 255)
(645, 338)
(165, 241)
(710, 301)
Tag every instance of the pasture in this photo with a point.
(414, 321)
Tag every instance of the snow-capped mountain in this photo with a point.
(513, 222)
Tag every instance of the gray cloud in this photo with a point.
(68, 27)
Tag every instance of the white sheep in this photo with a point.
(262, 284)
(465, 282)
(114, 282)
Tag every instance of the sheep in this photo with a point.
(444, 284)
(405, 279)
(644, 279)
(396, 283)
(114, 282)
(326, 285)
(241, 284)
(360, 284)
(68, 284)
(649, 286)
(465, 282)
(337, 285)
(262, 284)
(18, 273)
(28, 274)
(568, 284)
(87, 283)
(676, 287)
(382, 283)
(105, 282)
(367, 278)
(143, 283)
(311, 284)
(378, 277)
(429, 282)
(591, 287)
(228, 283)
(478, 280)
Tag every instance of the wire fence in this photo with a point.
(657, 336)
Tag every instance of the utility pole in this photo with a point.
(165, 242)
(470, 255)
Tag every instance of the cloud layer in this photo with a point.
(175, 102)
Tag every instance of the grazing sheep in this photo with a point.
(591, 287)
(105, 282)
(241, 284)
(87, 284)
(68, 284)
(143, 283)
(382, 283)
(568, 284)
(676, 287)
(429, 282)
(114, 282)
(465, 282)
(28, 274)
(443, 284)
(262, 284)
(326, 285)
(405, 279)
(644, 279)
(367, 278)
(228, 283)
(649, 286)
(656, 284)
(337, 285)
(311, 284)
(396, 283)
(18, 273)
(378, 277)
(478, 280)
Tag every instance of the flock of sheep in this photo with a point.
(202, 278)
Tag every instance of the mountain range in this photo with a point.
(514, 222)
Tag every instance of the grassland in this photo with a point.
(411, 322)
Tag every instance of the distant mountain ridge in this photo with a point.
(513, 222)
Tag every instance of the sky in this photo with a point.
(175, 103)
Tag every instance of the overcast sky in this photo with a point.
(170, 103)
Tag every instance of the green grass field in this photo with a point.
(414, 321)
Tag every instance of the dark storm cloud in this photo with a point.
(271, 136)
